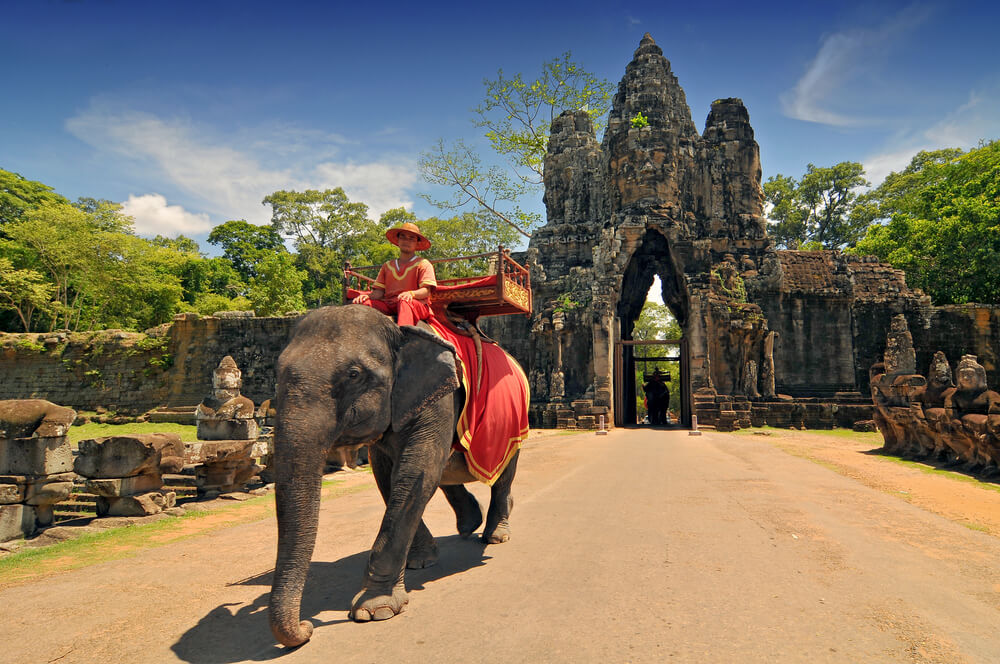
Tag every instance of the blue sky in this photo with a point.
(191, 112)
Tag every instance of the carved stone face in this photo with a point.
(971, 376)
(227, 375)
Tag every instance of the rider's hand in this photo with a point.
(361, 299)
(405, 296)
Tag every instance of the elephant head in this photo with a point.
(348, 375)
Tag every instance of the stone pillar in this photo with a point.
(36, 463)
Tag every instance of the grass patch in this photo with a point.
(931, 470)
(95, 430)
(978, 527)
(127, 541)
(873, 437)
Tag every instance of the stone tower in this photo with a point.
(662, 200)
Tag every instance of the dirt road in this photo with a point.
(639, 546)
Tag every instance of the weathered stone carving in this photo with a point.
(36, 463)
(935, 418)
(227, 423)
(126, 472)
(225, 414)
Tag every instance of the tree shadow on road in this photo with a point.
(237, 632)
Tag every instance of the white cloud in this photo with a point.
(845, 71)
(153, 216)
(228, 176)
(382, 186)
(964, 127)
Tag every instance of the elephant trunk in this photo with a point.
(298, 481)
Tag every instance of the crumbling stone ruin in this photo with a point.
(126, 472)
(938, 418)
(36, 464)
(770, 337)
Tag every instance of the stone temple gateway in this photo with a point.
(778, 337)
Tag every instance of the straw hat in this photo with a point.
(393, 235)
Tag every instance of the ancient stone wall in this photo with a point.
(135, 372)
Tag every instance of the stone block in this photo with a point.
(227, 429)
(210, 451)
(144, 504)
(125, 486)
(35, 456)
(126, 456)
(45, 515)
(16, 521)
(566, 423)
(12, 488)
(28, 418)
(586, 422)
(49, 490)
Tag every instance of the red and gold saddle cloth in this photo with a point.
(494, 421)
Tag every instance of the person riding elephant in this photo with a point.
(351, 376)
(404, 285)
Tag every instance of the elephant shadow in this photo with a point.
(225, 635)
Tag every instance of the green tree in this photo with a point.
(657, 322)
(816, 211)
(244, 245)
(18, 195)
(943, 224)
(517, 117)
(24, 292)
(101, 274)
(181, 243)
(278, 287)
(327, 229)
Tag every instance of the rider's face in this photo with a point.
(406, 240)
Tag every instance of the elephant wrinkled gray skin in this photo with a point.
(350, 375)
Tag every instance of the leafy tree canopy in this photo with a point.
(327, 229)
(816, 211)
(943, 224)
(245, 245)
(517, 116)
(18, 195)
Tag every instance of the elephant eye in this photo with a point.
(353, 373)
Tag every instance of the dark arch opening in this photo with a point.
(652, 258)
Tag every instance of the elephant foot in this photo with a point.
(497, 530)
(423, 551)
(371, 604)
(499, 535)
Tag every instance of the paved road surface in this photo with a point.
(640, 546)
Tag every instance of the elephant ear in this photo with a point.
(425, 372)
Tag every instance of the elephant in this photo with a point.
(350, 375)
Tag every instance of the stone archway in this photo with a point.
(652, 257)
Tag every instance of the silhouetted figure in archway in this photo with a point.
(657, 398)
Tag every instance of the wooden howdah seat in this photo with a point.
(505, 290)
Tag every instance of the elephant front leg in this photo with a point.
(497, 528)
(414, 478)
(423, 551)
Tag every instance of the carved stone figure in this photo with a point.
(226, 414)
(935, 418)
